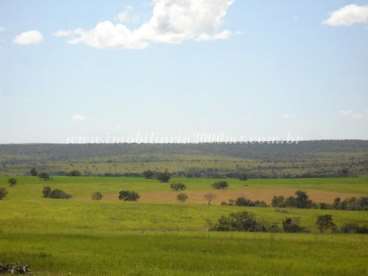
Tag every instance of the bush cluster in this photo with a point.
(243, 221)
(246, 222)
(301, 200)
(3, 193)
(47, 192)
(178, 187)
(220, 185)
(182, 197)
(245, 202)
(12, 182)
(128, 196)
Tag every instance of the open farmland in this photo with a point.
(159, 236)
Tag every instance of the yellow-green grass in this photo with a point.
(110, 237)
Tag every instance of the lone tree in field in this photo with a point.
(97, 196)
(209, 197)
(33, 172)
(164, 177)
(325, 223)
(12, 182)
(178, 187)
(220, 185)
(128, 196)
(182, 197)
(3, 193)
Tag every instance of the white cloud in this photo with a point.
(29, 38)
(78, 117)
(172, 21)
(2, 29)
(348, 15)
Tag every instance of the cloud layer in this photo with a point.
(29, 38)
(348, 15)
(172, 21)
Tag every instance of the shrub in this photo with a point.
(178, 187)
(182, 197)
(148, 174)
(242, 201)
(278, 202)
(220, 185)
(274, 228)
(46, 191)
(243, 221)
(97, 196)
(354, 229)
(59, 194)
(12, 182)
(300, 200)
(325, 223)
(33, 172)
(352, 203)
(128, 196)
(164, 177)
(291, 225)
(44, 176)
(75, 173)
(3, 193)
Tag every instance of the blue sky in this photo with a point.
(242, 69)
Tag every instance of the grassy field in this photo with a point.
(157, 236)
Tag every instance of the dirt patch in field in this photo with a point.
(253, 194)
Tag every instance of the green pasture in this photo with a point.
(84, 237)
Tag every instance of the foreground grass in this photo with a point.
(85, 237)
(182, 253)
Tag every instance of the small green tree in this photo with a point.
(164, 177)
(325, 223)
(148, 174)
(220, 185)
(242, 221)
(128, 196)
(12, 182)
(33, 172)
(178, 187)
(182, 197)
(291, 225)
(278, 201)
(3, 193)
